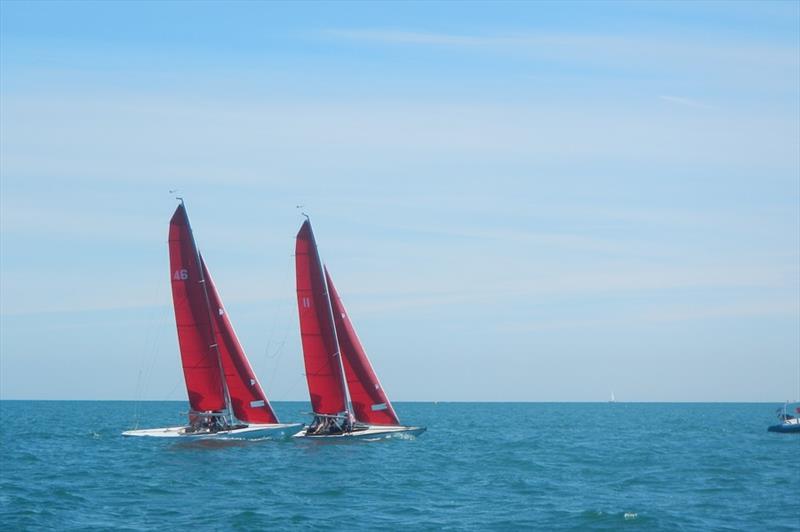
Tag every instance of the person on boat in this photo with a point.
(316, 425)
(329, 425)
(208, 422)
(217, 424)
(349, 422)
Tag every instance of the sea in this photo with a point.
(480, 466)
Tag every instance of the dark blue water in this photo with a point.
(480, 466)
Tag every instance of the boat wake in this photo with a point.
(396, 436)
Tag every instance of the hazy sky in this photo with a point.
(523, 201)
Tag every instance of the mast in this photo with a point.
(211, 319)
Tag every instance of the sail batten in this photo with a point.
(317, 330)
(367, 396)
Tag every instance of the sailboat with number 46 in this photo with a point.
(225, 397)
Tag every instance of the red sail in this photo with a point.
(369, 400)
(247, 398)
(198, 356)
(321, 354)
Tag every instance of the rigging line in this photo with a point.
(279, 309)
(143, 379)
(292, 384)
(137, 404)
(284, 309)
(154, 352)
(289, 385)
(138, 390)
(172, 392)
(156, 346)
(278, 360)
(279, 355)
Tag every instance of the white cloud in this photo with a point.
(670, 313)
(783, 306)
(657, 50)
(174, 144)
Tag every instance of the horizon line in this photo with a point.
(414, 401)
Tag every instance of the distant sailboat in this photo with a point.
(225, 397)
(789, 417)
(336, 363)
(613, 399)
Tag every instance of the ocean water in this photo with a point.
(480, 466)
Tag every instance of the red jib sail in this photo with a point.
(320, 352)
(247, 398)
(370, 403)
(195, 337)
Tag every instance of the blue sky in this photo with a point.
(517, 201)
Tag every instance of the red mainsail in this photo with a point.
(367, 396)
(195, 334)
(320, 352)
(247, 398)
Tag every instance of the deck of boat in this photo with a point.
(270, 430)
(372, 431)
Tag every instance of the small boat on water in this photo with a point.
(788, 422)
(226, 400)
(346, 396)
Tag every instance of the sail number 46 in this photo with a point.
(180, 275)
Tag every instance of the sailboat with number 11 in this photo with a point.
(346, 396)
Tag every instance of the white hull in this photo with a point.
(254, 431)
(372, 431)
